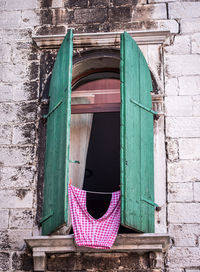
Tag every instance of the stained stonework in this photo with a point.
(24, 84)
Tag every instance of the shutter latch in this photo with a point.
(149, 202)
(74, 161)
(54, 108)
(46, 217)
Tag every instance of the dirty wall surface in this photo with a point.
(24, 80)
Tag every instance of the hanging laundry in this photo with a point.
(91, 232)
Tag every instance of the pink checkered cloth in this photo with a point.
(91, 232)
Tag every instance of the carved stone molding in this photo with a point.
(106, 39)
(156, 244)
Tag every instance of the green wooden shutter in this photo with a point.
(137, 160)
(57, 141)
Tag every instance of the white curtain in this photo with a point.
(80, 130)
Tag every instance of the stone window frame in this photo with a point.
(156, 243)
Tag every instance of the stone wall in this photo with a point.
(24, 80)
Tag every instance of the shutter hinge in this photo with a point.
(143, 107)
(54, 108)
(149, 202)
(74, 161)
(46, 217)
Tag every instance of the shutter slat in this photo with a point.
(137, 139)
(57, 141)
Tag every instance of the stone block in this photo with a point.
(24, 134)
(119, 14)
(61, 16)
(22, 261)
(172, 150)
(4, 240)
(77, 3)
(196, 105)
(180, 46)
(189, 148)
(57, 4)
(184, 235)
(16, 238)
(25, 91)
(10, 19)
(150, 11)
(178, 106)
(20, 4)
(4, 215)
(184, 213)
(30, 18)
(196, 43)
(189, 85)
(21, 219)
(180, 192)
(182, 127)
(180, 65)
(97, 3)
(16, 198)
(183, 171)
(16, 177)
(4, 261)
(84, 16)
(197, 193)
(186, 256)
(5, 134)
(189, 25)
(5, 53)
(6, 93)
(171, 86)
(2, 4)
(14, 73)
(184, 10)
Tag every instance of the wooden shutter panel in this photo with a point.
(137, 161)
(57, 141)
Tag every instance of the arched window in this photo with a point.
(136, 131)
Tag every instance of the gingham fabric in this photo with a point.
(91, 232)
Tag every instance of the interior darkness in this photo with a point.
(102, 172)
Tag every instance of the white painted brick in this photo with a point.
(174, 270)
(181, 45)
(180, 192)
(178, 106)
(16, 238)
(184, 171)
(20, 4)
(179, 65)
(16, 156)
(189, 25)
(21, 219)
(184, 235)
(6, 92)
(192, 270)
(184, 10)
(171, 86)
(182, 127)
(5, 134)
(189, 148)
(2, 4)
(16, 177)
(184, 256)
(29, 18)
(4, 215)
(184, 213)
(189, 85)
(8, 112)
(196, 43)
(197, 192)
(18, 198)
(10, 19)
(172, 150)
(196, 105)
(161, 1)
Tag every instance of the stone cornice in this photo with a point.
(102, 39)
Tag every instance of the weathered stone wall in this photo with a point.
(24, 80)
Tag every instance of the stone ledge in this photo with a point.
(86, 40)
(156, 244)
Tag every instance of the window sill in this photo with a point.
(156, 244)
